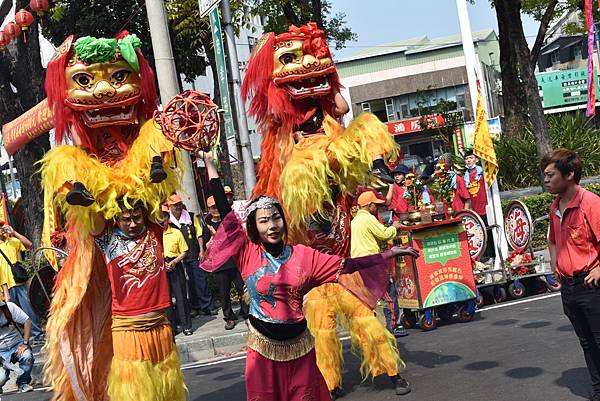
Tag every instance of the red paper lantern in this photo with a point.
(3, 39)
(12, 30)
(39, 6)
(23, 18)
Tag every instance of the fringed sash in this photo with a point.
(280, 351)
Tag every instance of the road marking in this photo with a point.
(242, 355)
(193, 365)
(522, 301)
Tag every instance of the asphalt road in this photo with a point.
(524, 351)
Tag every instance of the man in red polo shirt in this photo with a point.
(574, 243)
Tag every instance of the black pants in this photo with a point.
(225, 279)
(200, 296)
(582, 306)
(179, 312)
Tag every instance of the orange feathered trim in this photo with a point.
(78, 350)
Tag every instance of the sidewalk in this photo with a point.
(210, 339)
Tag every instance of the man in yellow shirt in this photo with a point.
(367, 231)
(367, 235)
(175, 249)
(12, 244)
(200, 296)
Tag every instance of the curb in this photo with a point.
(209, 348)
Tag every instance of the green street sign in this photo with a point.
(564, 88)
(215, 26)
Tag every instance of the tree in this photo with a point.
(280, 14)
(108, 17)
(21, 87)
(522, 103)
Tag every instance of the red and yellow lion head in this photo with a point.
(288, 70)
(98, 86)
(286, 75)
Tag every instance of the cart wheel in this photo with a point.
(553, 284)
(427, 324)
(516, 292)
(463, 314)
(445, 313)
(500, 294)
(408, 319)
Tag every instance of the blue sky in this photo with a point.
(381, 21)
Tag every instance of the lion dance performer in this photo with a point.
(102, 94)
(313, 164)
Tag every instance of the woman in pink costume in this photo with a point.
(281, 363)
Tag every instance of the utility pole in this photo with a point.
(168, 87)
(247, 159)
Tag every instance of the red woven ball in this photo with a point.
(190, 120)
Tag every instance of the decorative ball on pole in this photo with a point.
(39, 6)
(12, 30)
(190, 120)
(24, 19)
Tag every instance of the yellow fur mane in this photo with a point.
(79, 347)
(341, 157)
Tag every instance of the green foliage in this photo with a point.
(578, 27)
(441, 187)
(536, 8)
(194, 32)
(519, 165)
(280, 14)
(105, 18)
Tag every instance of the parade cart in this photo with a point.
(490, 282)
(525, 270)
(440, 282)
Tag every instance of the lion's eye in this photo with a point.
(120, 76)
(83, 79)
(287, 58)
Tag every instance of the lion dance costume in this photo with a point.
(103, 96)
(292, 83)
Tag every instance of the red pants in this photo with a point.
(295, 380)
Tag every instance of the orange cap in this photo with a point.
(210, 201)
(368, 197)
(174, 199)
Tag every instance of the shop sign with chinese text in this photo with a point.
(415, 124)
(563, 88)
